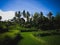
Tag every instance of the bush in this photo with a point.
(27, 26)
(46, 34)
(28, 30)
(11, 41)
(42, 34)
(55, 33)
(2, 30)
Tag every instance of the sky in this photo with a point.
(10, 6)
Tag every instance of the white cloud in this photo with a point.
(7, 14)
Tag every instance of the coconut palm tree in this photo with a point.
(0, 18)
(28, 15)
(49, 15)
(24, 14)
(35, 18)
(18, 14)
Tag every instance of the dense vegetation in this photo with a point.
(37, 20)
(35, 30)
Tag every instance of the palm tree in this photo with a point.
(57, 18)
(49, 15)
(28, 15)
(24, 14)
(36, 15)
(35, 18)
(15, 14)
(0, 18)
(41, 15)
(14, 18)
(18, 14)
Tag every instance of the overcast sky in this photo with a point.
(8, 7)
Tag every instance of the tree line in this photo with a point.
(37, 20)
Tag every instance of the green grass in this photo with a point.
(11, 34)
(29, 39)
(51, 40)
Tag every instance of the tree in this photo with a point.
(24, 14)
(18, 14)
(41, 21)
(14, 19)
(57, 17)
(57, 20)
(28, 15)
(49, 15)
(22, 21)
(1, 23)
(40, 17)
(0, 18)
(35, 18)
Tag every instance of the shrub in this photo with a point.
(10, 41)
(46, 34)
(2, 30)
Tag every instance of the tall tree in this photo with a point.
(57, 20)
(14, 19)
(0, 18)
(24, 14)
(35, 18)
(15, 14)
(28, 15)
(41, 14)
(57, 17)
(41, 17)
(49, 15)
(18, 14)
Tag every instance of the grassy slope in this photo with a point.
(10, 34)
(52, 40)
(29, 39)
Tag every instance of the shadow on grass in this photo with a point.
(3, 30)
(10, 41)
(46, 34)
